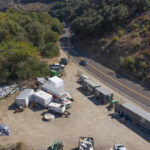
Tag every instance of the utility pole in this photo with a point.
(68, 40)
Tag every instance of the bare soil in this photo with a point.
(87, 119)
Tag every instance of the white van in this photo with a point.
(57, 108)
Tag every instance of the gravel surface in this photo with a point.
(87, 119)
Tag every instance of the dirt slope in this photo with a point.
(125, 50)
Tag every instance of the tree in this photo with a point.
(51, 50)
(36, 33)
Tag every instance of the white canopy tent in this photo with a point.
(42, 98)
(24, 97)
(56, 84)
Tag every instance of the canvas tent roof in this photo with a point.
(55, 81)
(138, 111)
(25, 93)
(57, 91)
(103, 91)
(92, 83)
(43, 94)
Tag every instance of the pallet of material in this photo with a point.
(86, 143)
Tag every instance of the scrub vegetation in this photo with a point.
(23, 37)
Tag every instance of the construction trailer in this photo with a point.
(104, 95)
(138, 116)
(83, 77)
(56, 92)
(42, 98)
(24, 98)
(86, 143)
(89, 85)
(57, 108)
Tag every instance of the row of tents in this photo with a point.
(102, 94)
(51, 91)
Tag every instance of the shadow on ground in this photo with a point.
(75, 148)
(13, 106)
(136, 129)
(91, 97)
(36, 107)
(68, 44)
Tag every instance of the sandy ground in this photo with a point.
(87, 119)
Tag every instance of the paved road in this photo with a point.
(119, 83)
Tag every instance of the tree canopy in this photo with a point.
(23, 37)
(96, 17)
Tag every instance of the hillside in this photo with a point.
(114, 32)
(126, 51)
(24, 36)
(28, 5)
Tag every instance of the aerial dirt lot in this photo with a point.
(87, 118)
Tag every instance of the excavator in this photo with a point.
(58, 145)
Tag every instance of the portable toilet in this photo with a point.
(53, 73)
(104, 95)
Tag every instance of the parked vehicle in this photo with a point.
(86, 143)
(64, 101)
(56, 108)
(119, 147)
(4, 130)
(64, 61)
(58, 145)
(137, 115)
(57, 66)
(83, 63)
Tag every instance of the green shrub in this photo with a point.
(144, 65)
(121, 32)
(115, 39)
(144, 30)
(51, 50)
(20, 146)
(121, 60)
(135, 34)
(136, 26)
(130, 63)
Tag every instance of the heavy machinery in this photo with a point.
(58, 145)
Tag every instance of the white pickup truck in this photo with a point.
(56, 108)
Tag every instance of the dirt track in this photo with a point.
(87, 119)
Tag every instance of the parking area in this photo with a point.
(87, 119)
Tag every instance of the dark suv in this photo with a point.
(64, 61)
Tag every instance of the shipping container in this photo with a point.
(136, 115)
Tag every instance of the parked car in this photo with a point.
(64, 61)
(119, 147)
(83, 63)
(57, 66)
(56, 108)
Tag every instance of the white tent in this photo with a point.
(56, 83)
(24, 97)
(42, 98)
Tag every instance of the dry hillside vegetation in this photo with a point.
(127, 50)
(33, 5)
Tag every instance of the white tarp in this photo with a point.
(56, 83)
(42, 98)
(24, 97)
